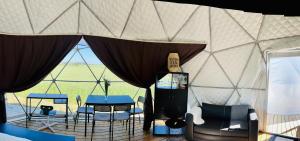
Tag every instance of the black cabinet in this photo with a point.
(170, 100)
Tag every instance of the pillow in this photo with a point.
(7, 137)
(215, 111)
(239, 112)
(197, 115)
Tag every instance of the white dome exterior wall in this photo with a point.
(231, 70)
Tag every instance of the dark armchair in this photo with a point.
(224, 123)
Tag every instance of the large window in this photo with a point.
(284, 93)
(77, 74)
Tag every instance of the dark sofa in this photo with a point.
(224, 123)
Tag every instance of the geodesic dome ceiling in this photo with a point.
(231, 69)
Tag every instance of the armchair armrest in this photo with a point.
(253, 125)
(189, 130)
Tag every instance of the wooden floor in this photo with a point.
(288, 125)
(102, 131)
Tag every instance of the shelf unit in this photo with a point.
(170, 100)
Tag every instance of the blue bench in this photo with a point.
(32, 134)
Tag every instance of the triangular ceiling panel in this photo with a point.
(174, 16)
(113, 13)
(250, 96)
(279, 26)
(289, 42)
(196, 29)
(270, 44)
(42, 13)
(234, 99)
(234, 60)
(212, 95)
(253, 72)
(192, 99)
(212, 75)
(144, 23)
(66, 23)
(226, 32)
(192, 67)
(250, 21)
(13, 17)
(90, 25)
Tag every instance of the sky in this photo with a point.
(86, 53)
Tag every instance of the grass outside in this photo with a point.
(85, 85)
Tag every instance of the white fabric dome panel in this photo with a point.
(234, 99)
(118, 11)
(212, 75)
(234, 60)
(13, 17)
(249, 96)
(144, 23)
(253, 71)
(174, 12)
(43, 13)
(249, 21)
(279, 26)
(89, 24)
(65, 24)
(195, 64)
(196, 29)
(225, 31)
(212, 95)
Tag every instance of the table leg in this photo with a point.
(67, 113)
(112, 125)
(29, 109)
(26, 111)
(133, 119)
(85, 114)
(129, 126)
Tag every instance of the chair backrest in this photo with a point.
(141, 99)
(78, 100)
(122, 108)
(46, 109)
(98, 108)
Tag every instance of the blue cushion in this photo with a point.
(137, 111)
(90, 110)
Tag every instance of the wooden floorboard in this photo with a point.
(121, 134)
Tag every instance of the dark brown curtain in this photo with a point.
(138, 62)
(26, 60)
